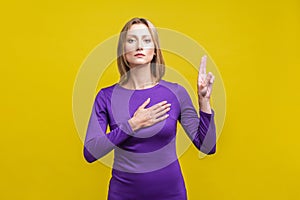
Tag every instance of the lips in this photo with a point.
(139, 54)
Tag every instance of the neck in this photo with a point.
(140, 78)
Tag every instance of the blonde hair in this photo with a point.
(157, 64)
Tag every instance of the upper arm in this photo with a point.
(188, 117)
(98, 119)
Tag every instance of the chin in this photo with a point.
(134, 64)
(141, 63)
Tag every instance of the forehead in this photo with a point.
(138, 29)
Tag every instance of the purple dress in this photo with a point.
(145, 162)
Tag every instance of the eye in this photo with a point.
(130, 40)
(147, 40)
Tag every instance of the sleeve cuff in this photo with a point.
(126, 128)
(205, 114)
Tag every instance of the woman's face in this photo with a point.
(139, 46)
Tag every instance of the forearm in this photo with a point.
(97, 142)
(101, 144)
(200, 130)
(206, 136)
(133, 124)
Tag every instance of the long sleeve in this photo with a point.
(201, 131)
(97, 142)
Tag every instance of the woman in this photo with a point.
(142, 111)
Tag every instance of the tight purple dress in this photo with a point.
(145, 164)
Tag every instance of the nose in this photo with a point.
(139, 45)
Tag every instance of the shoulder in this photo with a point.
(181, 93)
(105, 92)
(175, 87)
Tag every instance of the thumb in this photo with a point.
(145, 103)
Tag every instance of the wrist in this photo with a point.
(203, 100)
(133, 124)
(204, 104)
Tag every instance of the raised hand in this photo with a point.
(205, 81)
(144, 117)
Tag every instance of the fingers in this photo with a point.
(158, 105)
(202, 69)
(158, 112)
(145, 103)
(210, 78)
(148, 116)
(162, 118)
(162, 107)
(161, 111)
(204, 89)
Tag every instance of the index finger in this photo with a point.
(145, 103)
(154, 107)
(202, 69)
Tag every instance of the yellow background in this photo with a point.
(254, 43)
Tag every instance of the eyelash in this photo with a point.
(132, 40)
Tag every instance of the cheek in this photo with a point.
(129, 48)
(149, 51)
(149, 46)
